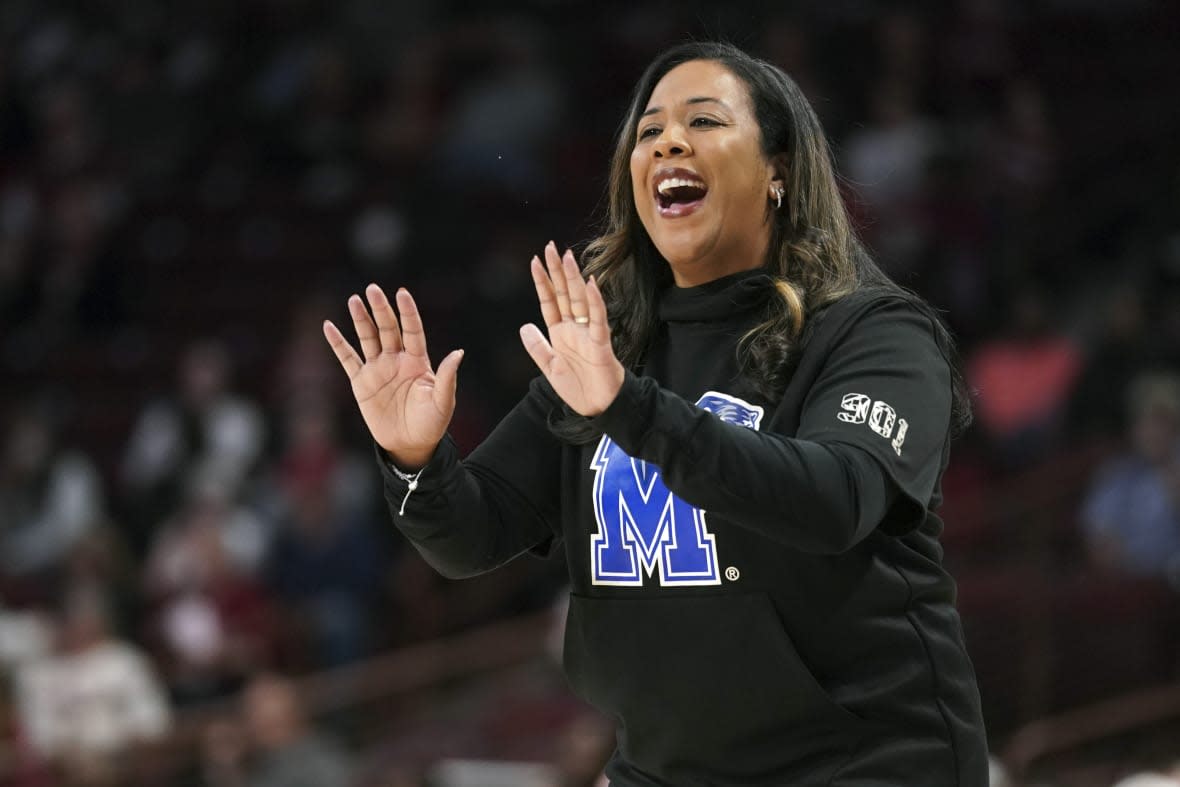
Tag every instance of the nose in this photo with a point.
(671, 142)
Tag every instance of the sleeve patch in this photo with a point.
(857, 408)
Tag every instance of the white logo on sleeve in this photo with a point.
(856, 408)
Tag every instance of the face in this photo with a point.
(701, 183)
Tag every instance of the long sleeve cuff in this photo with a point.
(430, 478)
(626, 419)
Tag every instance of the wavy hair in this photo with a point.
(814, 257)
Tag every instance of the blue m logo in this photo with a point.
(642, 526)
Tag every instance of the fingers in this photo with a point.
(537, 346)
(365, 330)
(576, 287)
(557, 277)
(413, 337)
(549, 311)
(599, 323)
(344, 352)
(561, 290)
(446, 380)
(387, 327)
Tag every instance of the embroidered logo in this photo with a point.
(856, 408)
(644, 529)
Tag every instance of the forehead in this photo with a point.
(700, 79)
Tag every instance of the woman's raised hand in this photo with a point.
(406, 404)
(577, 359)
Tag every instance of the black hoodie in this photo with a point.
(757, 593)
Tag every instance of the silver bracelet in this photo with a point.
(409, 478)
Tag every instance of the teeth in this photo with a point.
(666, 185)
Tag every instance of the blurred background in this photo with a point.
(199, 584)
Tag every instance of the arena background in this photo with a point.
(198, 582)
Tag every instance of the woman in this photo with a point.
(737, 440)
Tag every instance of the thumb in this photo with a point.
(446, 380)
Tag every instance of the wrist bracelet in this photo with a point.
(409, 478)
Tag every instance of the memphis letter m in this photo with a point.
(644, 529)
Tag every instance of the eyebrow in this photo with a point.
(693, 100)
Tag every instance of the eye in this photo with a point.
(649, 131)
(703, 122)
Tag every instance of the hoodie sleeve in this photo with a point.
(467, 517)
(867, 454)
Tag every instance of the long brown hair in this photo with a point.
(814, 257)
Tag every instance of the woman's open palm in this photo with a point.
(406, 404)
(577, 358)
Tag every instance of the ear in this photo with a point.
(777, 169)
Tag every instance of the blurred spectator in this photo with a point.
(100, 560)
(1120, 351)
(20, 766)
(887, 163)
(327, 565)
(290, 753)
(210, 507)
(959, 266)
(504, 119)
(25, 635)
(50, 498)
(304, 370)
(326, 561)
(212, 619)
(1024, 379)
(95, 696)
(61, 260)
(1132, 512)
(313, 456)
(205, 431)
(1023, 150)
(81, 282)
(1018, 176)
(400, 129)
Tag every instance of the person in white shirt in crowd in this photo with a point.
(205, 430)
(49, 496)
(96, 695)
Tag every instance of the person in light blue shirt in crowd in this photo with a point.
(1131, 516)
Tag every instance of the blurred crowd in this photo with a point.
(189, 508)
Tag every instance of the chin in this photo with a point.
(676, 256)
(679, 248)
(678, 259)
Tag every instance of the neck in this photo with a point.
(696, 274)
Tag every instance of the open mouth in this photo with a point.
(679, 192)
